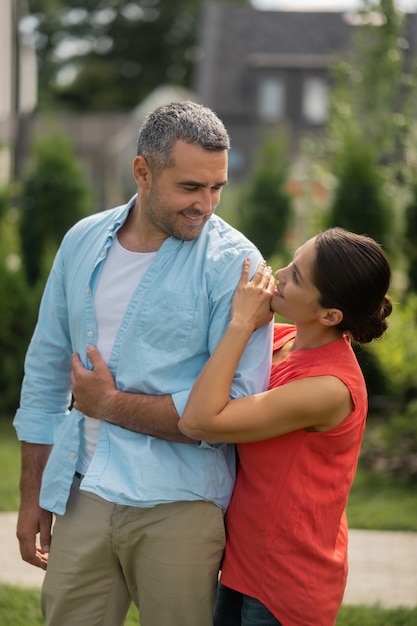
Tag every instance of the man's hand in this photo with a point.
(95, 395)
(32, 521)
(92, 389)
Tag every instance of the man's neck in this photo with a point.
(138, 237)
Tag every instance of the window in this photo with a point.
(271, 99)
(315, 100)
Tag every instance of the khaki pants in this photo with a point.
(103, 556)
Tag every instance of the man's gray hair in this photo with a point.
(186, 121)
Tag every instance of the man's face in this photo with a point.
(182, 198)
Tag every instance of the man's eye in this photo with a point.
(294, 276)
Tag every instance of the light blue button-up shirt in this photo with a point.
(178, 313)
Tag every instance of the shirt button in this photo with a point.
(90, 333)
(73, 455)
(102, 254)
(88, 291)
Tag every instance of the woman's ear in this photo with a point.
(331, 317)
(141, 172)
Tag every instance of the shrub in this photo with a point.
(359, 202)
(392, 449)
(54, 197)
(266, 204)
(396, 351)
(18, 307)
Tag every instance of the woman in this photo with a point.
(286, 554)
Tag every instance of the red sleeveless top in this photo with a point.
(286, 523)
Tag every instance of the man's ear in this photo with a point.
(331, 317)
(141, 172)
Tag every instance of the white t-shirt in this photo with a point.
(121, 273)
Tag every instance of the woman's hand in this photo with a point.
(251, 305)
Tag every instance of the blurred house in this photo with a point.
(261, 69)
(18, 83)
(105, 143)
(257, 69)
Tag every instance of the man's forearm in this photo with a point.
(32, 519)
(149, 415)
(95, 394)
(34, 458)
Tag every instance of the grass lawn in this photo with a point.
(376, 503)
(9, 467)
(20, 607)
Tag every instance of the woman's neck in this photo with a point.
(306, 339)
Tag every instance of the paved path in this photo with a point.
(382, 566)
(13, 570)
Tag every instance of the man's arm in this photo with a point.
(95, 394)
(32, 519)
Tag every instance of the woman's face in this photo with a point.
(295, 297)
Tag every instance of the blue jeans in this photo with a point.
(236, 609)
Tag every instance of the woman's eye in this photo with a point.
(294, 276)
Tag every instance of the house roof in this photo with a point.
(236, 39)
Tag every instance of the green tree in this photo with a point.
(359, 203)
(266, 205)
(374, 89)
(54, 196)
(372, 108)
(116, 51)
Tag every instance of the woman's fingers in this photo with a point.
(263, 275)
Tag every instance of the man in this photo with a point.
(139, 508)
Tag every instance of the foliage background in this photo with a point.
(116, 52)
(110, 54)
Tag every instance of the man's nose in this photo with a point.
(207, 202)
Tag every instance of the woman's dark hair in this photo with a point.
(353, 274)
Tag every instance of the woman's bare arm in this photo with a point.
(319, 402)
